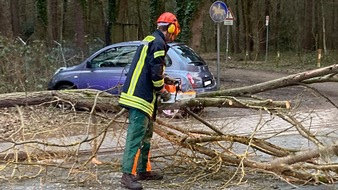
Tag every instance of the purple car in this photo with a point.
(107, 68)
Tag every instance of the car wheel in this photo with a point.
(65, 87)
(170, 113)
(62, 104)
(176, 113)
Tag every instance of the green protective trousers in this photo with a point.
(139, 134)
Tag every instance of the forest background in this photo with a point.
(38, 36)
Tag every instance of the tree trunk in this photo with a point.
(80, 99)
(308, 39)
(41, 29)
(140, 25)
(278, 22)
(15, 9)
(5, 19)
(274, 84)
(104, 101)
(264, 35)
(53, 21)
(109, 20)
(79, 28)
(323, 25)
(197, 26)
(259, 29)
(247, 26)
(334, 23)
(237, 44)
(123, 19)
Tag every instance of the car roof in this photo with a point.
(138, 43)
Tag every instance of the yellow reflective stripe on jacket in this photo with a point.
(159, 53)
(138, 70)
(149, 38)
(135, 105)
(154, 99)
(140, 64)
(137, 102)
(158, 83)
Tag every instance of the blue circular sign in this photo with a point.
(218, 11)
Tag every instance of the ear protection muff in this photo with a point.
(171, 28)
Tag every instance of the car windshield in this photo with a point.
(188, 55)
(114, 57)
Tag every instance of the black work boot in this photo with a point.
(151, 175)
(130, 181)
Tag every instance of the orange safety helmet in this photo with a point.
(170, 19)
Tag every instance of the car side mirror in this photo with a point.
(167, 61)
(88, 64)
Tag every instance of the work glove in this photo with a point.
(164, 95)
(169, 80)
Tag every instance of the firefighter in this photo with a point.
(145, 80)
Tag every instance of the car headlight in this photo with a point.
(59, 69)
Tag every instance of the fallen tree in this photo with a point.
(206, 141)
(106, 101)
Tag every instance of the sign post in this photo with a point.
(267, 37)
(218, 12)
(229, 21)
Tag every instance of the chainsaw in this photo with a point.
(176, 92)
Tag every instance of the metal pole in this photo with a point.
(218, 49)
(227, 46)
(267, 42)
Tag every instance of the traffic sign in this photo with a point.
(218, 11)
(267, 20)
(230, 15)
(229, 20)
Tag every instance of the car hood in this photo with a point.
(66, 69)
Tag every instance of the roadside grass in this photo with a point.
(286, 62)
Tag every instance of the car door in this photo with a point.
(107, 71)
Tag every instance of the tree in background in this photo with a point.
(301, 26)
(110, 19)
(186, 11)
(154, 7)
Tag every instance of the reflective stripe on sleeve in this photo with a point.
(158, 83)
(159, 53)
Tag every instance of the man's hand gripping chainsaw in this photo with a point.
(171, 86)
(173, 91)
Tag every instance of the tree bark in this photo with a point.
(237, 47)
(15, 9)
(104, 101)
(79, 28)
(80, 99)
(5, 19)
(53, 21)
(197, 26)
(308, 40)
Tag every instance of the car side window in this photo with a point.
(114, 57)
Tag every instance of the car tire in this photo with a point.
(170, 113)
(176, 113)
(64, 105)
(65, 87)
